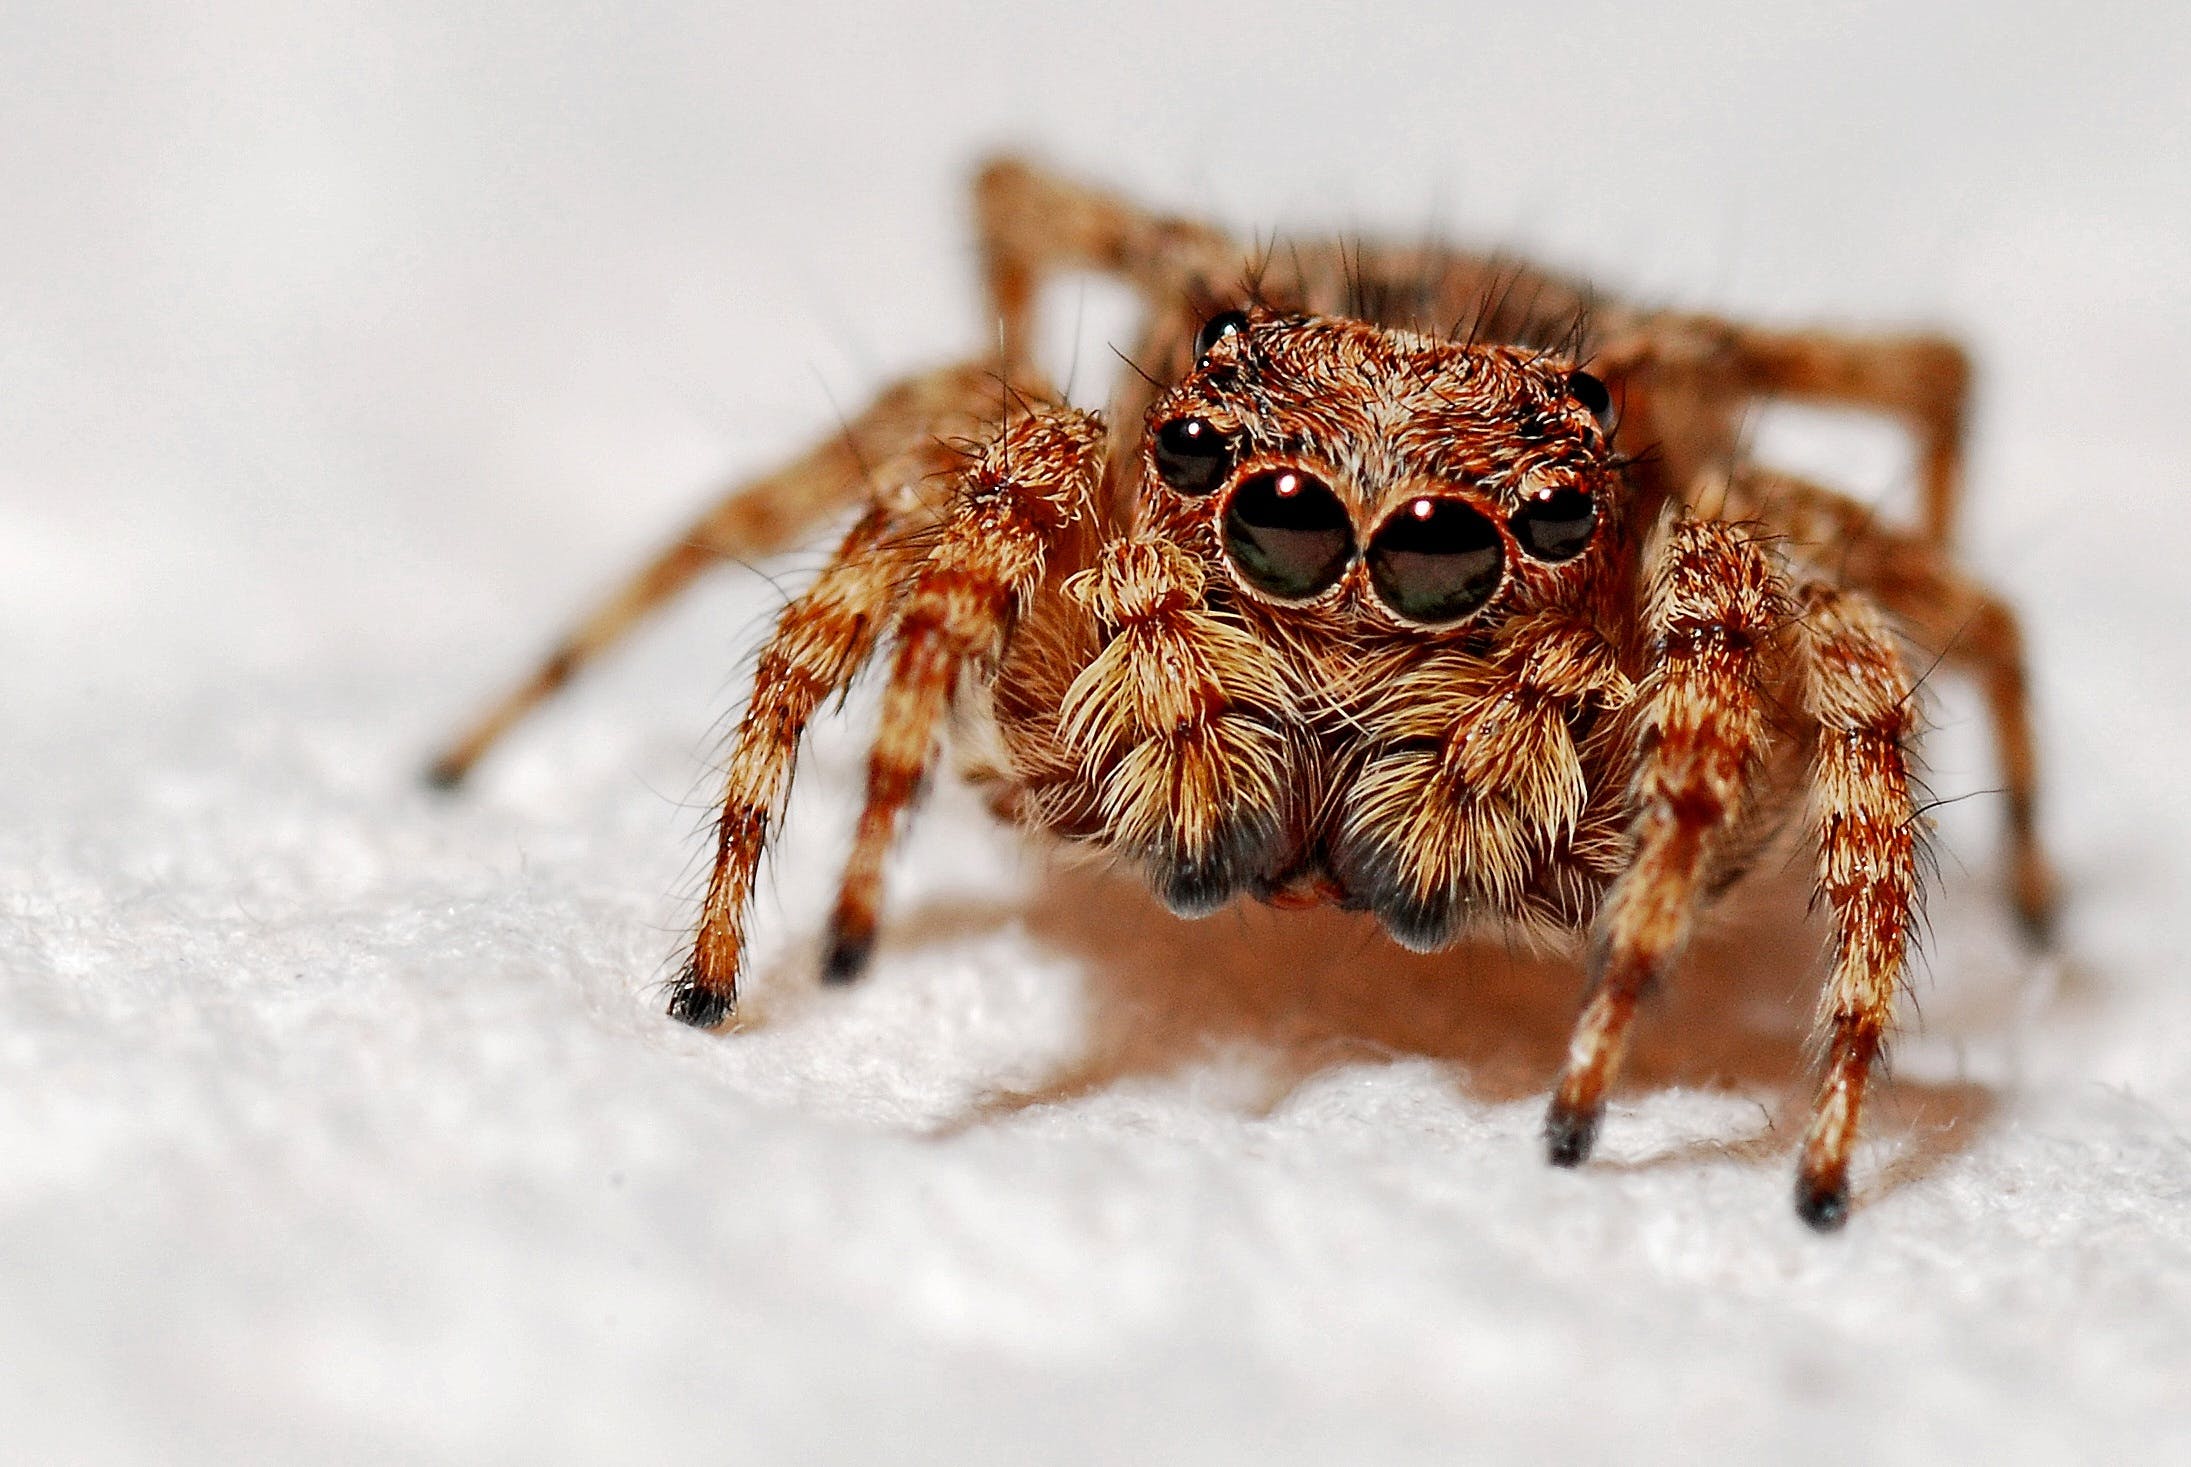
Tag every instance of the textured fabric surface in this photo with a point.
(344, 357)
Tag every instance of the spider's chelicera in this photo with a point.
(1364, 593)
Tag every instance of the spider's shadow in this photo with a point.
(1301, 993)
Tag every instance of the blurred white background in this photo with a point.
(345, 349)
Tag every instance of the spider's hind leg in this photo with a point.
(1922, 379)
(1951, 617)
(1034, 224)
(895, 445)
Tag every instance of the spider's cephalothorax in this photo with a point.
(1352, 598)
(1374, 525)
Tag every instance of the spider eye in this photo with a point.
(1436, 560)
(1556, 524)
(1288, 534)
(1590, 392)
(1216, 329)
(1191, 455)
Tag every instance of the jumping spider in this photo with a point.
(1371, 589)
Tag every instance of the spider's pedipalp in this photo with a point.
(1474, 776)
(1716, 603)
(1174, 730)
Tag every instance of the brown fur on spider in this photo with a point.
(1372, 589)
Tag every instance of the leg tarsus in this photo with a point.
(701, 1007)
(445, 774)
(1570, 1134)
(1593, 1060)
(1822, 1175)
(1823, 1205)
(846, 958)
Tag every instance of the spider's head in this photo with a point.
(1425, 484)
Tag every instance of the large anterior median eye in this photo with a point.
(1436, 560)
(1288, 534)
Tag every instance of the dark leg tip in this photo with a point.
(1824, 1205)
(443, 775)
(847, 957)
(702, 1008)
(2034, 891)
(1569, 1135)
(2037, 926)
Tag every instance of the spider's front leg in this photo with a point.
(1715, 609)
(946, 589)
(1858, 690)
(1029, 490)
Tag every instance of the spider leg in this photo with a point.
(1034, 224)
(821, 640)
(1950, 616)
(1715, 605)
(1858, 691)
(1027, 492)
(1922, 379)
(894, 445)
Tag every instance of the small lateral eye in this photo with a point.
(1556, 524)
(1191, 455)
(1216, 329)
(1436, 560)
(1288, 534)
(1590, 392)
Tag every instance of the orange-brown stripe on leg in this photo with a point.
(921, 683)
(1858, 690)
(820, 641)
(1030, 488)
(1716, 603)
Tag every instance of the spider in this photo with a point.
(1373, 588)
